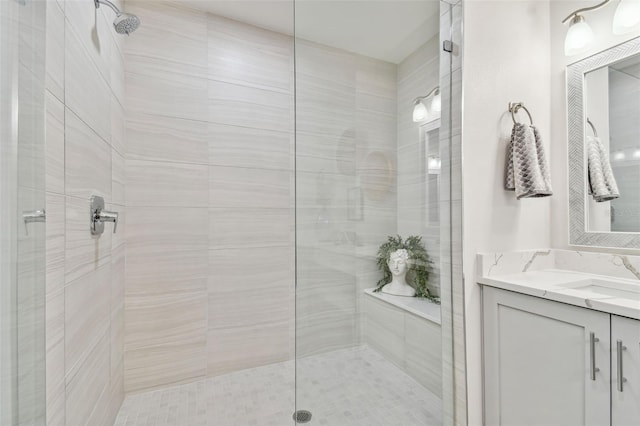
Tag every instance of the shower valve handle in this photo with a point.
(98, 216)
(107, 216)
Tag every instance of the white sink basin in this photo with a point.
(595, 288)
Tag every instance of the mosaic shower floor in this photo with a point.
(351, 387)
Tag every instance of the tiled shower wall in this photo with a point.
(210, 248)
(84, 156)
(345, 184)
(418, 74)
(209, 280)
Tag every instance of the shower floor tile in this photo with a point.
(342, 388)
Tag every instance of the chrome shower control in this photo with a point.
(98, 216)
(33, 216)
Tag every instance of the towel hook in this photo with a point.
(593, 128)
(514, 107)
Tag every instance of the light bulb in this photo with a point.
(419, 111)
(627, 16)
(619, 156)
(636, 153)
(436, 103)
(578, 37)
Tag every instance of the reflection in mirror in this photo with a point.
(612, 138)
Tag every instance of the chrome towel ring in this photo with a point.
(593, 128)
(514, 107)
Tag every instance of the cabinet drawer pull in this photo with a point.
(592, 352)
(619, 349)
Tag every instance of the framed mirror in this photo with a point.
(604, 148)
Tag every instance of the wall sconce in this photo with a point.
(434, 165)
(420, 111)
(580, 34)
(627, 16)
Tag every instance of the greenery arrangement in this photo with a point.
(419, 264)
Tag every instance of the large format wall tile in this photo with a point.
(177, 96)
(249, 286)
(165, 271)
(84, 326)
(235, 146)
(157, 230)
(54, 145)
(233, 349)
(87, 160)
(55, 242)
(85, 143)
(154, 183)
(240, 187)
(250, 227)
(118, 132)
(154, 137)
(87, 93)
(249, 107)
(249, 56)
(86, 384)
(157, 366)
(84, 253)
(172, 40)
(93, 31)
(55, 50)
(165, 318)
(55, 371)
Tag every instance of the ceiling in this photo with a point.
(389, 30)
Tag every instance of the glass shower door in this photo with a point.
(22, 215)
(368, 157)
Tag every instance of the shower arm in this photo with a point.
(108, 3)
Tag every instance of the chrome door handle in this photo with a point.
(98, 216)
(592, 352)
(30, 216)
(619, 350)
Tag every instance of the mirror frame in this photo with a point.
(578, 232)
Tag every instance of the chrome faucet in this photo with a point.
(99, 216)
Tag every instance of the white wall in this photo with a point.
(600, 21)
(506, 59)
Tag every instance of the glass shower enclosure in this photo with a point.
(351, 103)
(22, 228)
(372, 150)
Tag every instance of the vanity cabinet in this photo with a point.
(545, 363)
(625, 362)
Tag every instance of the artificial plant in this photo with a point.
(418, 267)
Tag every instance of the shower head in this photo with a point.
(125, 23)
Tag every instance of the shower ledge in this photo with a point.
(420, 307)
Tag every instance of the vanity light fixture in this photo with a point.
(420, 111)
(619, 156)
(580, 34)
(627, 16)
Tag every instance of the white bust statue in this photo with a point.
(398, 265)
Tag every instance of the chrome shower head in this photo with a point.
(125, 23)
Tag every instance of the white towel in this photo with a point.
(527, 171)
(602, 183)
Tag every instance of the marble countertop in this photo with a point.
(610, 284)
(421, 307)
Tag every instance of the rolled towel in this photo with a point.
(527, 171)
(602, 182)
